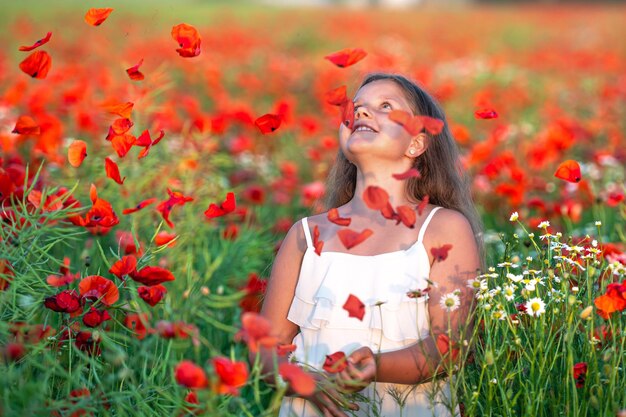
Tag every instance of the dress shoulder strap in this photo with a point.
(420, 237)
(307, 232)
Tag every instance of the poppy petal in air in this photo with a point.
(26, 125)
(300, 381)
(412, 124)
(333, 216)
(317, 243)
(354, 307)
(37, 44)
(226, 207)
(139, 206)
(188, 39)
(337, 96)
(407, 216)
(347, 113)
(37, 64)
(375, 197)
(422, 205)
(134, 73)
(95, 17)
(268, 123)
(441, 253)
(411, 173)
(346, 57)
(350, 238)
(569, 171)
(77, 153)
(486, 114)
(113, 171)
(432, 125)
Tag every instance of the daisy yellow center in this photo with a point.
(535, 306)
(449, 302)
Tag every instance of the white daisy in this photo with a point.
(514, 216)
(544, 224)
(509, 292)
(477, 284)
(450, 301)
(535, 307)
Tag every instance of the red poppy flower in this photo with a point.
(178, 330)
(190, 375)
(580, 372)
(67, 301)
(76, 153)
(232, 375)
(152, 275)
(37, 64)
(335, 362)
(228, 206)
(300, 382)
(95, 17)
(65, 276)
(165, 238)
(134, 73)
(152, 295)
(440, 253)
(97, 287)
(254, 290)
(101, 212)
(139, 206)
(26, 125)
(255, 331)
(346, 57)
(354, 307)
(95, 317)
(444, 345)
(138, 323)
(188, 39)
(333, 216)
(37, 44)
(268, 123)
(14, 351)
(375, 197)
(350, 238)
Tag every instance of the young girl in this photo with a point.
(392, 351)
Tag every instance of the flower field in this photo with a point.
(153, 156)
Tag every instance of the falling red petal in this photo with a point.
(354, 307)
(347, 114)
(337, 96)
(432, 125)
(37, 44)
(228, 206)
(407, 216)
(139, 206)
(346, 57)
(441, 253)
(350, 238)
(333, 216)
(317, 243)
(375, 197)
(486, 114)
(569, 171)
(412, 124)
(134, 73)
(422, 205)
(95, 17)
(411, 173)
(113, 171)
(188, 39)
(26, 125)
(37, 64)
(268, 123)
(77, 153)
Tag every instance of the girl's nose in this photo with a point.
(361, 111)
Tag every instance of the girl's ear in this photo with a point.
(417, 146)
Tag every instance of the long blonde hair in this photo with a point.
(442, 179)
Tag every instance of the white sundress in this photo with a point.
(324, 284)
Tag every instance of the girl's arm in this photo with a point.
(278, 297)
(421, 361)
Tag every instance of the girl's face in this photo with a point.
(373, 132)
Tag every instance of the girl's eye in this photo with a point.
(385, 105)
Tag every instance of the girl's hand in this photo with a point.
(327, 399)
(359, 372)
